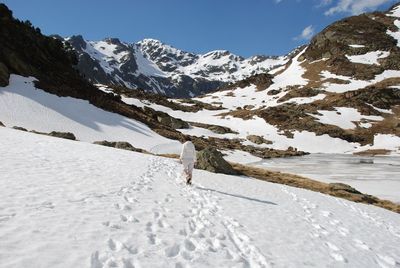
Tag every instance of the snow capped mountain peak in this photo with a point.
(395, 10)
(155, 66)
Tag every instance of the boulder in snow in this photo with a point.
(258, 139)
(63, 135)
(19, 128)
(212, 160)
(119, 145)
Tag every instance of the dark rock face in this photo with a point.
(63, 135)
(172, 122)
(1, 124)
(342, 187)
(258, 139)
(360, 30)
(367, 30)
(19, 128)
(119, 145)
(4, 75)
(25, 51)
(211, 160)
(262, 81)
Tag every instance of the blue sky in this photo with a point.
(245, 27)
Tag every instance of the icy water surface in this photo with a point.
(378, 176)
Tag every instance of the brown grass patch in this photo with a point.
(173, 156)
(313, 72)
(373, 152)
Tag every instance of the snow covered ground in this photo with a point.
(73, 204)
(21, 104)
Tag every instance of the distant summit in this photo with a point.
(160, 68)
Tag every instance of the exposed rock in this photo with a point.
(214, 128)
(63, 135)
(261, 81)
(57, 134)
(119, 145)
(4, 75)
(258, 139)
(170, 121)
(19, 128)
(342, 187)
(212, 160)
(299, 92)
(273, 92)
(367, 30)
(248, 107)
(1, 124)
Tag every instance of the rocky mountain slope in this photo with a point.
(344, 85)
(41, 91)
(156, 67)
(339, 94)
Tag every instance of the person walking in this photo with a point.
(188, 159)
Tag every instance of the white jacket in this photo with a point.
(188, 152)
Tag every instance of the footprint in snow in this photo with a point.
(361, 245)
(127, 264)
(189, 245)
(114, 245)
(172, 251)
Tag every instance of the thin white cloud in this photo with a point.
(306, 34)
(323, 3)
(354, 6)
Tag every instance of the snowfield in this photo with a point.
(73, 204)
(23, 105)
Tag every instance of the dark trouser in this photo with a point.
(188, 170)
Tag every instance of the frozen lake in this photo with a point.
(378, 176)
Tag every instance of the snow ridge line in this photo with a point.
(205, 208)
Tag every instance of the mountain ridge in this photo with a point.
(154, 66)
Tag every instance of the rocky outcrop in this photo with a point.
(19, 128)
(368, 32)
(165, 119)
(212, 160)
(214, 128)
(336, 187)
(261, 81)
(172, 122)
(258, 139)
(63, 135)
(4, 75)
(1, 124)
(120, 145)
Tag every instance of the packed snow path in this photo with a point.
(73, 204)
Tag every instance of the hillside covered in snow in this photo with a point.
(160, 68)
(66, 203)
(73, 204)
